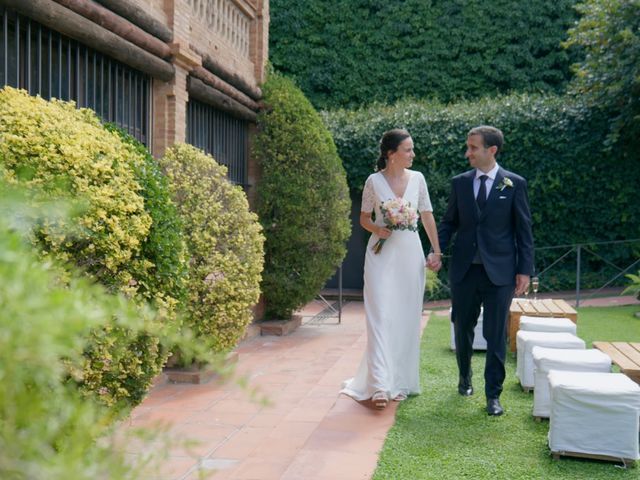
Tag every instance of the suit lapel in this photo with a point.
(470, 197)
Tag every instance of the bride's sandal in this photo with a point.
(380, 400)
(400, 397)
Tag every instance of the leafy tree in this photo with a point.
(609, 75)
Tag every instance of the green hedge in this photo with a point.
(350, 52)
(579, 191)
(303, 199)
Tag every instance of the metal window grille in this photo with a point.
(46, 63)
(219, 134)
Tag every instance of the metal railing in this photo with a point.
(589, 249)
(598, 281)
(46, 63)
(330, 310)
(224, 137)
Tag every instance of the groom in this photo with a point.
(492, 256)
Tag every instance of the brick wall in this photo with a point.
(154, 8)
(234, 32)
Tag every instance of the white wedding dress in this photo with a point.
(393, 298)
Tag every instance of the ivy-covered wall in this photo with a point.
(344, 53)
(579, 190)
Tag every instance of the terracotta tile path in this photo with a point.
(307, 432)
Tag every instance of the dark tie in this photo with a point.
(481, 199)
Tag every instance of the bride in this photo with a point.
(394, 277)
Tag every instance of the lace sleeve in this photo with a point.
(424, 202)
(368, 197)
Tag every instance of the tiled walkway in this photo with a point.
(308, 432)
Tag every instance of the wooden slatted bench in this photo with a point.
(548, 307)
(626, 355)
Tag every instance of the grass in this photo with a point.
(441, 435)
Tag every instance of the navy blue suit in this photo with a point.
(501, 234)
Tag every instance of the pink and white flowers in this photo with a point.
(397, 214)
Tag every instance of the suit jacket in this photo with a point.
(501, 232)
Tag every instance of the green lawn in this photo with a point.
(441, 435)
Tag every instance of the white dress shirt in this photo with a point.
(488, 183)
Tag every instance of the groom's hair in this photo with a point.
(491, 136)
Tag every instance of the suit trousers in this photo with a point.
(475, 289)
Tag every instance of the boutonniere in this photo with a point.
(505, 183)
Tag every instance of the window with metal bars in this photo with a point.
(46, 63)
(222, 136)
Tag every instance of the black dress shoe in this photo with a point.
(493, 407)
(465, 389)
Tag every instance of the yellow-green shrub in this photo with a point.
(225, 244)
(164, 249)
(64, 150)
(60, 150)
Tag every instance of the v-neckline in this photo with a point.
(391, 189)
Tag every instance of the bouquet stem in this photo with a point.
(378, 245)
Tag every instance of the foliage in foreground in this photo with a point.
(225, 244)
(303, 200)
(440, 435)
(48, 428)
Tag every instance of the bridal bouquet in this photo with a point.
(397, 214)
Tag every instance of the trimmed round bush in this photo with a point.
(224, 242)
(303, 199)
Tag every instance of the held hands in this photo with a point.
(434, 261)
